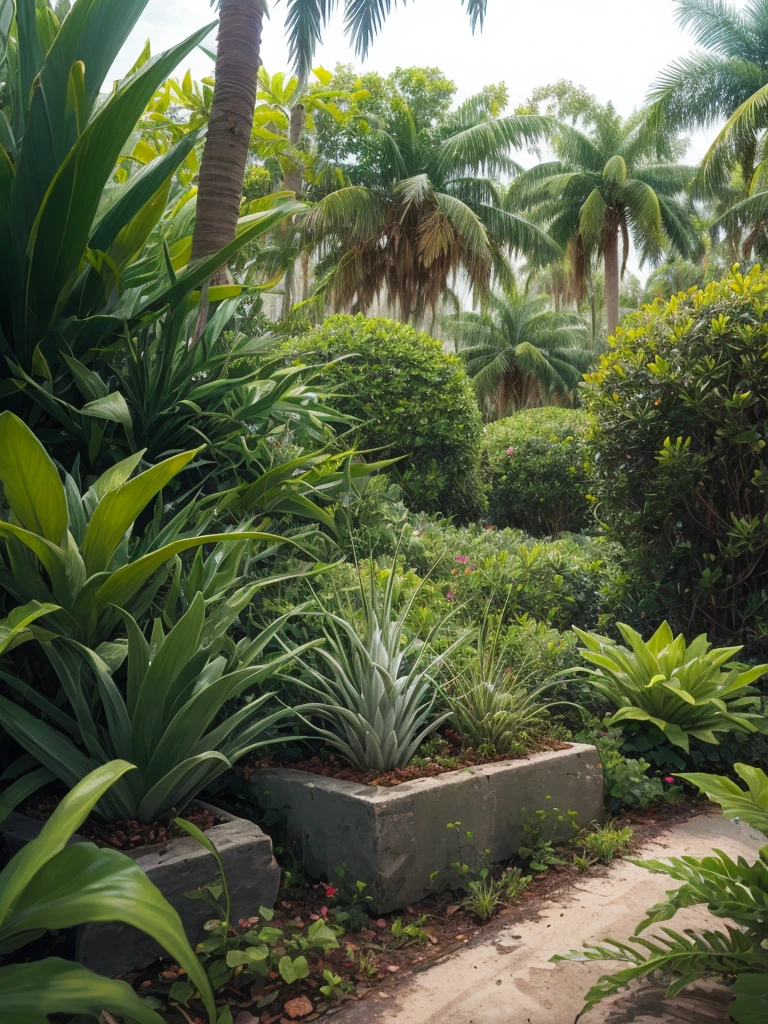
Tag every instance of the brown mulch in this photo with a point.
(451, 760)
(446, 924)
(123, 835)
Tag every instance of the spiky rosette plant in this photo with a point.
(377, 686)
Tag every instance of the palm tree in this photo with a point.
(727, 79)
(237, 65)
(612, 180)
(519, 352)
(432, 213)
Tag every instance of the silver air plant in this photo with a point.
(377, 684)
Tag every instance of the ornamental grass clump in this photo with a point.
(377, 687)
(683, 690)
(497, 709)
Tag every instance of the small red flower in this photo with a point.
(669, 778)
(330, 890)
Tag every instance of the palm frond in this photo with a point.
(715, 25)
(479, 147)
(304, 23)
(349, 211)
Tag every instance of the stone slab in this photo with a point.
(395, 838)
(175, 867)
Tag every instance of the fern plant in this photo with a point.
(732, 889)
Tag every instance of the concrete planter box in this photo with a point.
(175, 867)
(394, 839)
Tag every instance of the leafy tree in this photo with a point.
(612, 178)
(519, 352)
(432, 211)
(237, 64)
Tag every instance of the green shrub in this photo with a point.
(558, 582)
(681, 421)
(411, 398)
(535, 466)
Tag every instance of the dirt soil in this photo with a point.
(450, 759)
(446, 927)
(123, 835)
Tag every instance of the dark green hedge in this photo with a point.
(680, 405)
(535, 466)
(411, 399)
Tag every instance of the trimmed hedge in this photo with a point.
(410, 399)
(535, 466)
(680, 405)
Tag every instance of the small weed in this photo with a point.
(539, 829)
(335, 986)
(348, 901)
(606, 841)
(364, 961)
(407, 934)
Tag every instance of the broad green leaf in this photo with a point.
(120, 506)
(65, 820)
(31, 482)
(31, 992)
(14, 627)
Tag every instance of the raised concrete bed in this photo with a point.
(394, 839)
(175, 867)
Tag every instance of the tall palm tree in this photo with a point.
(728, 78)
(237, 65)
(614, 179)
(432, 213)
(519, 352)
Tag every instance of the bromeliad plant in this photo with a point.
(77, 551)
(682, 690)
(50, 885)
(734, 890)
(378, 685)
(174, 719)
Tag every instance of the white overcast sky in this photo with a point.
(613, 47)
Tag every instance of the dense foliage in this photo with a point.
(409, 399)
(535, 465)
(680, 405)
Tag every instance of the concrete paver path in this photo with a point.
(504, 976)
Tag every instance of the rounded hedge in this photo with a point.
(535, 467)
(411, 399)
(681, 424)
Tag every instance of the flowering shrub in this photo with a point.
(411, 399)
(558, 583)
(680, 405)
(534, 463)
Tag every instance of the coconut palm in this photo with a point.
(727, 78)
(520, 352)
(431, 213)
(613, 179)
(237, 64)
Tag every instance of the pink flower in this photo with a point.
(510, 452)
(450, 596)
(462, 558)
(669, 778)
(324, 911)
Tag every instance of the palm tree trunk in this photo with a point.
(220, 186)
(293, 179)
(611, 270)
